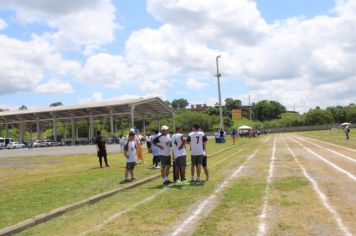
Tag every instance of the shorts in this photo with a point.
(101, 153)
(130, 165)
(180, 161)
(165, 160)
(205, 161)
(197, 160)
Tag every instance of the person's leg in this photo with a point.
(206, 172)
(192, 169)
(198, 171)
(101, 161)
(176, 169)
(132, 174)
(106, 160)
(126, 173)
(168, 167)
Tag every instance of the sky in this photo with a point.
(301, 53)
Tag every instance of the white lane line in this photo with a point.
(267, 139)
(262, 228)
(331, 144)
(203, 205)
(326, 161)
(116, 215)
(330, 150)
(324, 200)
(150, 198)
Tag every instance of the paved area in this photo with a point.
(60, 150)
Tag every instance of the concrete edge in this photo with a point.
(41, 218)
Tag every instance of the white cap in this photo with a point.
(132, 130)
(164, 127)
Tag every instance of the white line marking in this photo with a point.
(202, 205)
(113, 217)
(262, 229)
(324, 200)
(150, 198)
(331, 144)
(267, 139)
(326, 161)
(330, 150)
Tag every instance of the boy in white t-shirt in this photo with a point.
(164, 143)
(130, 152)
(197, 140)
(180, 156)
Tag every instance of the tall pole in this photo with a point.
(249, 105)
(218, 75)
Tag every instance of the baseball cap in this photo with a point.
(132, 130)
(164, 127)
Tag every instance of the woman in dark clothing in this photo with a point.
(101, 148)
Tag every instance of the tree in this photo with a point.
(180, 103)
(23, 107)
(318, 116)
(56, 104)
(231, 103)
(185, 120)
(338, 113)
(228, 122)
(268, 110)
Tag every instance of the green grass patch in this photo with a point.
(35, 185)
(289, 183)
(243, 196)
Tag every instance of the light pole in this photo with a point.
(218, 75)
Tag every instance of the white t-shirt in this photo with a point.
(154, 148)
(196, 140)
(130, 147)
(122, 140)
(176, 143)
(165, 141)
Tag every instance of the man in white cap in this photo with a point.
(164, 143)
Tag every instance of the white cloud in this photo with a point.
(24, 64)
(77, 23)
(3, 24)
(95, 97)
(195, 84)
(105, 69)
(54, 86)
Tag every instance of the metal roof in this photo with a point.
(142, 107)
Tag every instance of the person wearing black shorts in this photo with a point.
(130, 152)
(164, 143)
(101, 149)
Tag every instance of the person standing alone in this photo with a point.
(101, 149)
(347, 132)
(130, 151)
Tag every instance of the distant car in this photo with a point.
(52, 143)
(14, 145)
(40, 143)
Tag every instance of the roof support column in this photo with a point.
(174, 121)
(21, 130)
(132, 108)
(64, 131)
(39, 133)
(73, 130)
(6, 130)
(91, 127)
(112, 124)
(54, 128)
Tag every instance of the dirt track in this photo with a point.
(311, 192)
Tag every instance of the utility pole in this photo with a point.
(218, 75)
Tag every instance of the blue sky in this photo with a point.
(101, 49)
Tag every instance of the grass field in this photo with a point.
(285, 184)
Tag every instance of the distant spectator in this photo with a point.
(233, 135)
(347, 132)
(101, 149)
(122, 141)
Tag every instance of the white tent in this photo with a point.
(345, 124)
(244, 127)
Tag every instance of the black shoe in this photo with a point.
(198, 181)
(133, 178)
(192, 181)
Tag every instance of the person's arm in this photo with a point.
(182, 144)
(188, 139)
(126, 149)
(205, 139)
(156, 142)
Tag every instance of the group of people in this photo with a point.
(165, 150)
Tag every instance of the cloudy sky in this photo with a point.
(299, 52)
